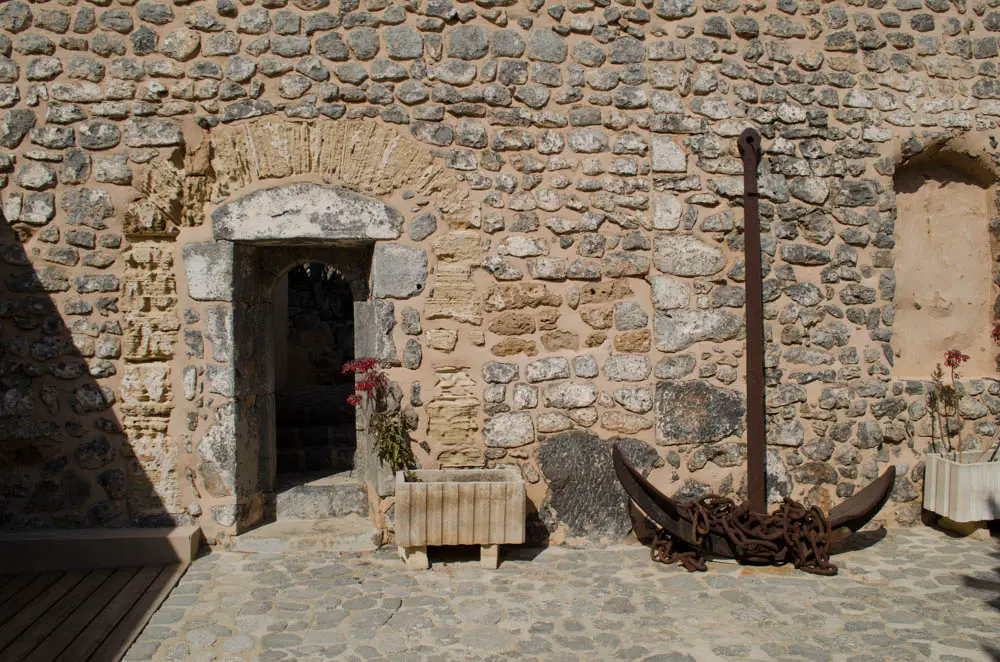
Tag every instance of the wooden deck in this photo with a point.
(79, 615)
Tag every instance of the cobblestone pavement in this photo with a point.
(915, 595)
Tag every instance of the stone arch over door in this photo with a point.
(295, 190)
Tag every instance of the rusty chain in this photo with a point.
(793, 534)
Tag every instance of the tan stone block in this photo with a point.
(624, 422)
(547, 319)
(556, 340)
(513, 296)
(150, 338)
(598, 317)
(146, 383)
(596, 339)
(512, 346)
(461, 457)
(512, 324)
(454, 295)
(458, 246)
(443, 340)
(633, 341)
(477, 337)
(453, 415)
(604, 291)
(143, 219)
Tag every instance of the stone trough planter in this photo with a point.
(484, 507)
(963, 489)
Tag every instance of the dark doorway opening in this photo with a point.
(314, 332)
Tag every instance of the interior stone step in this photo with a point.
(335, 495)
(344, 534)
(316, 458)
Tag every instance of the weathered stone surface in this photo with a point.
(695, 412)
(627, 368)
(422, 226)
(569, 395)
(667, 156)
(686, 255)
(785, 433)
(15, 126)
(509, 430)
(584, 493)
(669, 293)
(209, 268)
(555, 367)
(680, 329)
(305, 211)
(398, 271)
(153, 133)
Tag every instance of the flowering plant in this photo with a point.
(943, 398)
(386, 424)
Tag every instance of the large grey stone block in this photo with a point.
(305, 211)
(209, 268)
(584, 493)
(695, 412)
(398, 271)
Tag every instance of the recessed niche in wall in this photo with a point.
(944, 266)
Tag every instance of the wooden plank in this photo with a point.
(30, 591)
(482, 521)
(97, 631)
(14, 586)
(435, 495)
(19, 623)
(466, 513)
(403, 508)
(54, 616)
(418, 514)
(514, 516)
(498, 508)
(135, 619)
(82, 616)
(449, 515)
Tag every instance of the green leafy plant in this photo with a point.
(385, 423)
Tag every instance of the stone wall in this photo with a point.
(552, 191)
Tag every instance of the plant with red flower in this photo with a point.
(954, 358)
(369, 380)
(387, 427)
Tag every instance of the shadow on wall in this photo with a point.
(64, 459)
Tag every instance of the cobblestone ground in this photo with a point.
(915, 595)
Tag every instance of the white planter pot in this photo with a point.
(964, 489)
(484, 507)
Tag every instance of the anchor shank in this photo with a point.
(749, 145)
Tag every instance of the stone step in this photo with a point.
(344, 534)
(316, 458)
(330, 496)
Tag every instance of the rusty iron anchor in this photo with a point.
(746, 532)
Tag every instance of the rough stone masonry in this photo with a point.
(550, 194)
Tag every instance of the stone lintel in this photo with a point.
(302, 212)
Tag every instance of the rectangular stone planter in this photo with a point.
(484, 507)
(964, 489)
